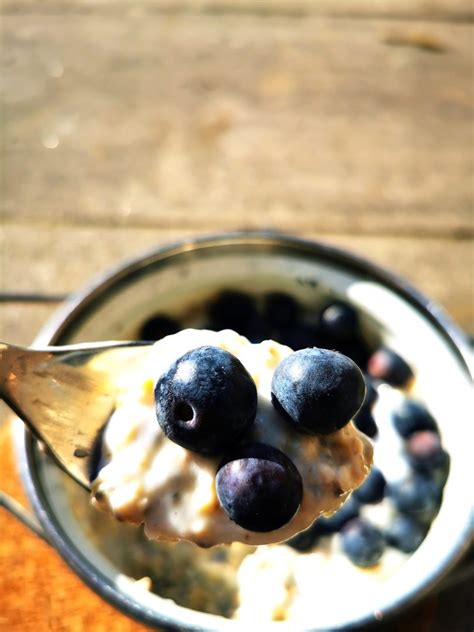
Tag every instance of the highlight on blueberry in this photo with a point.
(425, 452)
(388, 366)
(340, 320)
(259, 487)
(206, 401)
(318, 391)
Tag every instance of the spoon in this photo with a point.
(65, 395)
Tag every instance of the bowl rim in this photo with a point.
(79, 303)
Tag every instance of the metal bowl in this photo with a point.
(177, 279)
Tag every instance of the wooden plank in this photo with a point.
(407, 9)
(196, 122)
(58, 259)
(20, 323)
(28, 604)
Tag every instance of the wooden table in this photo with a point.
(128, 124)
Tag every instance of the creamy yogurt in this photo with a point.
(151, 480)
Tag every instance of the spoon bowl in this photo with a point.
(65, 395)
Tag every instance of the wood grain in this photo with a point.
(177, 121)
(428, 9)
(66, 258)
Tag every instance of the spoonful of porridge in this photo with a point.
(201, 436)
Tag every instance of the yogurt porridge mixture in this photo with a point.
(351, 552)
(151, 479)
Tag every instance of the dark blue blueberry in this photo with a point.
(365, 422)
(206, 401)
(355, 349)
(219, 554)
(300, 336)
(158, 327)
(405, 534)
(280, 310)
(318, 391)
(388, 366)
(256, 330)
(348, 511)
(306, 540)
(417, 496)
(362, 542)
(372, 489)
(424, 451)
(340, 321)
(412, 416)
(231, 309)
(259, 487)
(371, 395)
(97, 458)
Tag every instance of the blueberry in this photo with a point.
(365, 422)
(317, 391)
(424, 451)
(372, 489)
(259, 487)
(158, 327)
(232, 310)
(388, 366)
(357, 350)
(362, 542)
(412, 416)
(256, 330)
(339, 320)
(348, 511)
(417, 496)
(371, 395)
(297, 337)
(305, 540)
(280, 310)
(405, 534)
(97, 459)
(206, 401)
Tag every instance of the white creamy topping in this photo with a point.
(278, 583)
(149, 479)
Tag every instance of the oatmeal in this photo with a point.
(148, 478)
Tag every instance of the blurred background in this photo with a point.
(128, 124)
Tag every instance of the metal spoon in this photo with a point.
(66, 394)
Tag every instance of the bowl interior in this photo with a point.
(179, 282)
